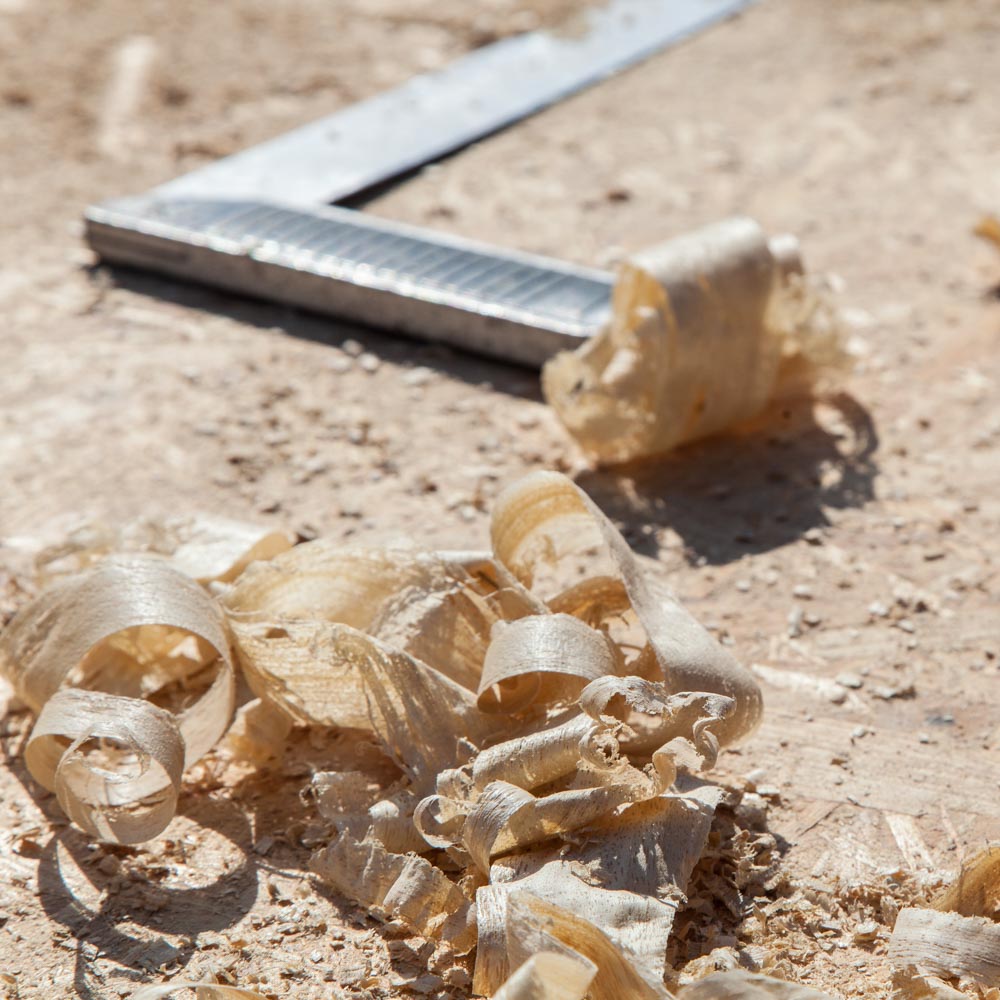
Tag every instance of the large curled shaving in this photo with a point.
(437, 607)
(705, 329)
(128, 627)
(546, 517)
(542, 659)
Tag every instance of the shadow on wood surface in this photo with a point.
(103, 908)
(750, 492)
(136, 907)
(398, 349)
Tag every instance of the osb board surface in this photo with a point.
(868, 129)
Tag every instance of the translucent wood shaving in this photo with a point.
(542, 658)
(439, 608)
(548, 813)
(704, 330)
(334, 675)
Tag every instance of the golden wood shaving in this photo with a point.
(698, 342)
(399, 887)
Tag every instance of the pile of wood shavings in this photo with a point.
(549, 817)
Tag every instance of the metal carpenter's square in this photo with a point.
(264, 222)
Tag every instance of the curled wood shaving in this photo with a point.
(130, 627)
(399, 887)
(492, 815)
(334, 675)
(703, 329)
(535, 759)
(556, 748)
(493, 960)
(542, 658)
(507, 817)
(358, 806)
(626, 879)
(545, 517)
(439, 608)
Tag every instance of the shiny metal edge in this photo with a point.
(138, 232)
